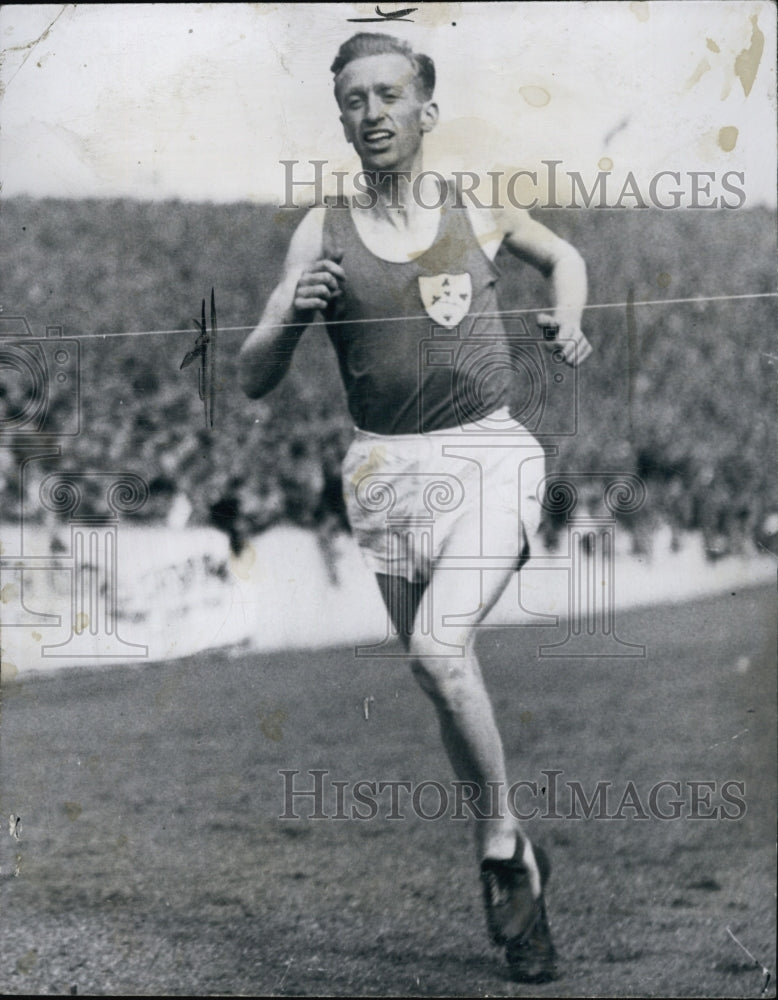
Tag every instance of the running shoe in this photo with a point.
(516, 918)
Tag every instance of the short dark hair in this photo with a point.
(367, 43)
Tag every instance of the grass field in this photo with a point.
(151, 858)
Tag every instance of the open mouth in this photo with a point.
(377, 136)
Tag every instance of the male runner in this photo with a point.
(383, 270)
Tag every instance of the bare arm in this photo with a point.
(307, 284)
(561, 263)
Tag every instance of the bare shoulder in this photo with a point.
(493, 225)
(530, 239)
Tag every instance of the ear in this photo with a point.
(429, 116)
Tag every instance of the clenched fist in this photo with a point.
(573, 344)
(319, 285)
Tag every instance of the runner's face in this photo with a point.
(383, 114)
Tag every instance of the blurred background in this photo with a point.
(140, 168)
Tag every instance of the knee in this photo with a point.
(446, 679)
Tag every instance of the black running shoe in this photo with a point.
(517, 919)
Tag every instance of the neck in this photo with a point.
(400, 195)
(394, 191)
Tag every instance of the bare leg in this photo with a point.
(455, 686)
(511, 873)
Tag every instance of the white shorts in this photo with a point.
(465, 493)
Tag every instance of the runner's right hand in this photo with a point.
(318, 285)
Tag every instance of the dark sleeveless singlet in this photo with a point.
(405, 373)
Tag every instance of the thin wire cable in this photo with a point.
(408, 319)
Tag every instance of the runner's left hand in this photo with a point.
(573, 343)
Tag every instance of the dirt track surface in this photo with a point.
(151, 858)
